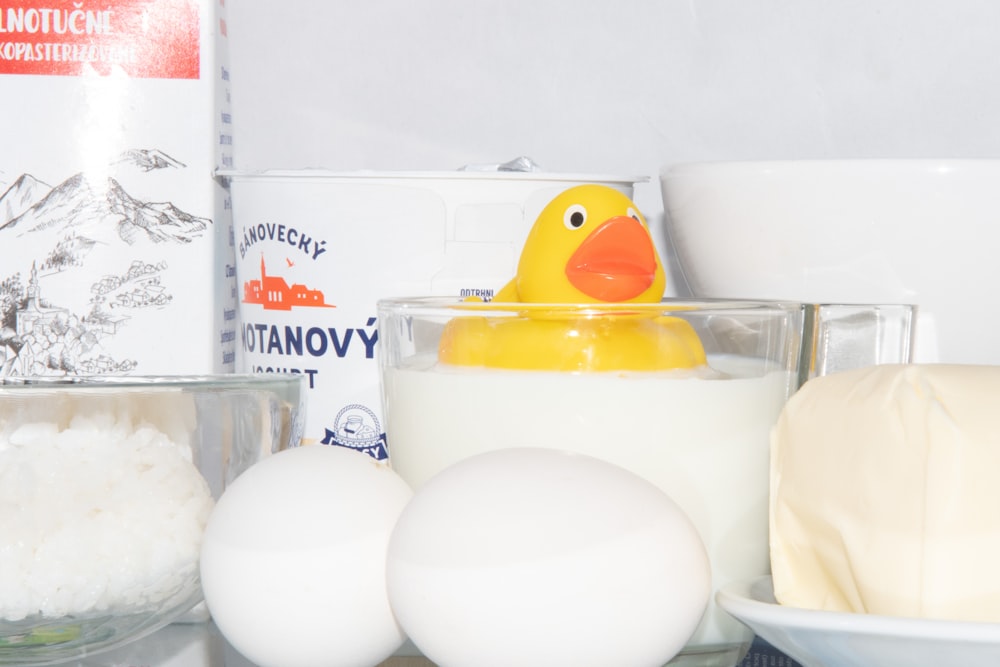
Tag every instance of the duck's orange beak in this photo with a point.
(615, 263)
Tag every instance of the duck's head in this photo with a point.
(590, 244)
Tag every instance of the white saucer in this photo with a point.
(835, 639)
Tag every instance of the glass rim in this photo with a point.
(209, 382)
(681, 302)
(417, 304)
(459, 305)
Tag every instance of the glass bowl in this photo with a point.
(106, 484)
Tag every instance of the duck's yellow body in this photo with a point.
(589, 245)
(604, 343)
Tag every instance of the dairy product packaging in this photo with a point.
(883, 493)
(116, 246)
(317, 249)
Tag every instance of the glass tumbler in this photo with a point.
(462, 378)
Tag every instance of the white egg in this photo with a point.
(293, 559)
(536, 557)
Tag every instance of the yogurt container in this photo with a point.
(316, 249)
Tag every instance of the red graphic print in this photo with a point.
(274, 293)
(140, 38)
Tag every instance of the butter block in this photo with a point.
(885, 493)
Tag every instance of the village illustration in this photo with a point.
(274, 293)
(67, 221)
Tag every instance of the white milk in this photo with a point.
(703, 441)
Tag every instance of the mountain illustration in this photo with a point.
(100, 211)
(149, 159)
(65, 290)
(22, 193)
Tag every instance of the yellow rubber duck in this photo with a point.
(589, 245)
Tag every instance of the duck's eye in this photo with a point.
(632, 213)
(575, 216)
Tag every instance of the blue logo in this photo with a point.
(356, 427)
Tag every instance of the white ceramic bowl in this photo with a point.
(849, 231)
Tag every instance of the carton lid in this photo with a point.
(457, 175)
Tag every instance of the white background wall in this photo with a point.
(610, 86)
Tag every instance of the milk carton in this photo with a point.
(116, 244)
